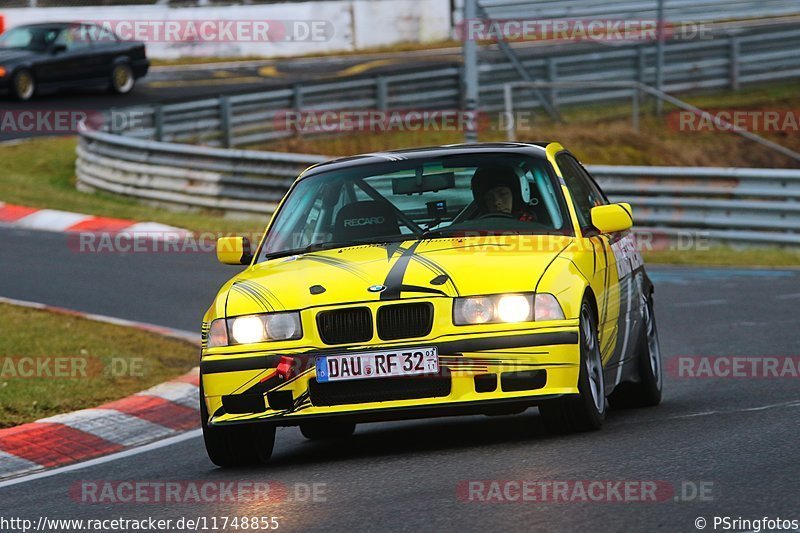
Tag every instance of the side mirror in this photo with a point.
(612, 218)
(234, 251)
(58, 49)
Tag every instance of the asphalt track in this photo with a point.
(740, 435)
(193, 82)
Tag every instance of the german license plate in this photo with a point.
(365, 365)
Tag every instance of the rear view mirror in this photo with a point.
(424, 183)
(234, 251)
(612, 218)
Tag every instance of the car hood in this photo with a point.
(411, 269)
(15, 56)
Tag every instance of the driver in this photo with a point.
(496, 190)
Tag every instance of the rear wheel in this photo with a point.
(23, 85)
(327, 430)
(122, 79)
(239, 445)
(587, 411)
(647, 392)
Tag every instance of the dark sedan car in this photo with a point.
(59, 55)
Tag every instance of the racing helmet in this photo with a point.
(487, 178)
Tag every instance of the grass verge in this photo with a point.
(93, 356)
(723, 256)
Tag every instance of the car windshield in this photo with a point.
(36, 39)
(417, 199)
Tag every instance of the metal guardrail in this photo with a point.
(249, 119)
(235, 181)
(730, 61)
(675, 10)
(735, 205)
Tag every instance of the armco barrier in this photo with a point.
(725, 204)
(674, 10)
(727, 61)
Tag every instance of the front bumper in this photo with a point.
(480, 373)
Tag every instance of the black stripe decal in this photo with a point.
(257, 298)
(630, 215)
(394, 279)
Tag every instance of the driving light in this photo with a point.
(217, 334)
(3, 72)
(247, 330)
(547, 308)
(514, 308)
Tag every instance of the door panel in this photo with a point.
(75, 64)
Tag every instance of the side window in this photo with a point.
(74, 38)
(100, 35)
(585, 194)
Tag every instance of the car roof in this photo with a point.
(58, 25)
(428, 152)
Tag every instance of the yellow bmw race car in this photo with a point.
(466, 279)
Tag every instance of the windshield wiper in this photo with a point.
(307, 249)
(334, 244)
(441, 232)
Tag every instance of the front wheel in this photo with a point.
(23, 85)
(239, 445)
(122, 79)
(587, 411)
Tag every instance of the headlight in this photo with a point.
(506, 308)
(514, 308)
(250, 329)
(474, 310)
(282, 326)
(247, 330)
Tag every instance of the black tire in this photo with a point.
(122, 79)
(587, 411)
(327, 430)
(647, 392)
(239, 445)
(23, 85)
